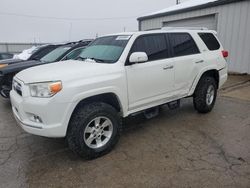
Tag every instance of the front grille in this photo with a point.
(17, 87)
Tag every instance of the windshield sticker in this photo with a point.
(124, 37)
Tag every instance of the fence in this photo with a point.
(16, 47)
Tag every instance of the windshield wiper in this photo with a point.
(91, 58)
(81, 58)
(97, 60)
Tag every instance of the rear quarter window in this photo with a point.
(182, 44)
(210, 40)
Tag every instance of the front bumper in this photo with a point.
(54, 115)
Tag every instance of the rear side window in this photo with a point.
(182, 44)
(210, 41)
(153, 45)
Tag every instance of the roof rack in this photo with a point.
(79, 41)
(184, 28)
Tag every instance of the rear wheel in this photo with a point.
(94, 130)
(205, 94)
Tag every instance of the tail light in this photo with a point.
(225, 53)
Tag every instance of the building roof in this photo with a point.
(187, 6)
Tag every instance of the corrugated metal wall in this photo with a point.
(233, 27)
(201, 21)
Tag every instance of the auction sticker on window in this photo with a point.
(123, 37)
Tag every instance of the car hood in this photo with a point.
(64, 71)
(19, 66)
(10, 61)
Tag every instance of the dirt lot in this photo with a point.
(179, 148)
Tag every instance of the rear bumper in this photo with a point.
(223, 74)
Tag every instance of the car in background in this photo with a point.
(62, 52)
(5, 55)
(37, 54)
(25, 54)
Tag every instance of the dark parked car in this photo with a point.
(37, 54)
(5, 56)
(62, 52)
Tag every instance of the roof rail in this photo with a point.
(184, 28)
(79, 41)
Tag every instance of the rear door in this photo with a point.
(187, 61)
(152, 81)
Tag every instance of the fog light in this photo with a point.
(35, 118)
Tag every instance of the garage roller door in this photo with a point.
(203, 21)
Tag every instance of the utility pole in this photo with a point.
(70, 30)
(178, 2)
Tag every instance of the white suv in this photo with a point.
(116, 76)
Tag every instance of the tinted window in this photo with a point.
(153, 45)
(55, 54)
(41, 53)
(183, 44)
(74, 54)
(210, 41)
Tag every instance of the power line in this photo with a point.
(66, 18)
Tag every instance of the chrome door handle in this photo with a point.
(168, 67)
(201, 61)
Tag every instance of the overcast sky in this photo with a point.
(63, 20)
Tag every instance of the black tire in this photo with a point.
(82, 116)
(200, 94)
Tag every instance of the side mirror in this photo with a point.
(138, 57)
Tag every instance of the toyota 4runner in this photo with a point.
(116, 76)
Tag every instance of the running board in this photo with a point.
(174, 105)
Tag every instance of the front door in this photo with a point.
(151, 81)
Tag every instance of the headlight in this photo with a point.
(45, 89)
(3, 65)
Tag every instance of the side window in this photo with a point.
(74, 54)
(153, 45)
(41, 53)
(182, 44)
(210, 41)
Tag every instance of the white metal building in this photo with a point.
(230, 18)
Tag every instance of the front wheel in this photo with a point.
(94, 130)
(205, 95)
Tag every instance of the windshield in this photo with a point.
(105, 49)
(55, 54)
